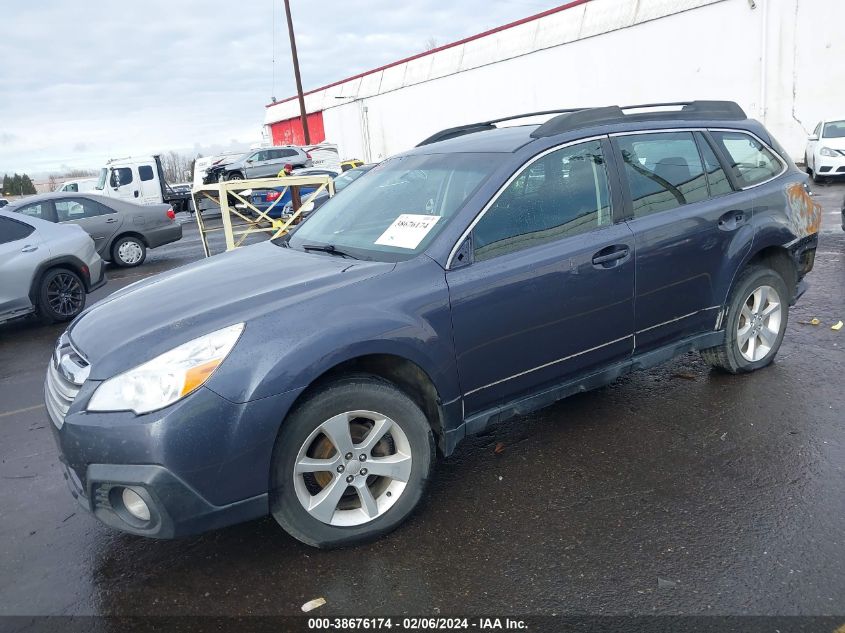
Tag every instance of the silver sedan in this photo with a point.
(122, 231)
(45, 268)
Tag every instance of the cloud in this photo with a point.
(84, 82)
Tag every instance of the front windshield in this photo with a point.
(101, 181)
(834, 129)
(395, 210)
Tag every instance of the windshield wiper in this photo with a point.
(327, 248)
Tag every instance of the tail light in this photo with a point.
(171, 214)
(308, 155)
(273, 195)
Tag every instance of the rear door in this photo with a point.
(548, 294)
(149, 184)
(101, 222)
(690, 228)
(21, 250)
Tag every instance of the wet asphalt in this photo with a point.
(673, 491)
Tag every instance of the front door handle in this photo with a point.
(136, 194)
(111, 221)
(611, 256)
(29, 248)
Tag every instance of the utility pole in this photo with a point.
(302, 114)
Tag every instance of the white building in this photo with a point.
(783, 61)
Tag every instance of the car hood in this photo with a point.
(832, 143)
(155, 315)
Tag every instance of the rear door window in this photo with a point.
(717, 179)
(664, 171)
(145, 172)
(12, 230)
(750, 161)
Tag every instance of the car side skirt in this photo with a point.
(478, 422)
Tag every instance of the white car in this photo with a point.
(825, 153)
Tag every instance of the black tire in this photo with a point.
(729, 356)
(235, 176)
(136, 245)
(807, 166)
(61, 296)
(354, 393)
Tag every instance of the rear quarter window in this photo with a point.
(12, 230)
(750, 161)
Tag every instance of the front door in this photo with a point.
(548, 294)
(123, 183)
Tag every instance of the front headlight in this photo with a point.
(826, 151)
(166, 378)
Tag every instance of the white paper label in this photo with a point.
(408, 230)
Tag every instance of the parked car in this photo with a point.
(261, 163)
(825, 153)
(451, 288)
(263, 199)
(340, 183)
(78, 186)
(45, 268)
(122, 231)
(352, 163)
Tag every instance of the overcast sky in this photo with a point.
(85, 81)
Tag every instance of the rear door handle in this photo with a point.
(29, 248)
(608, 257)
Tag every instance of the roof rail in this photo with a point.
(469, 128)
(689, 111)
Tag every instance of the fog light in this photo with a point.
(135, 505)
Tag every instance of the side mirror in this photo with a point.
(813, 137)
(250, 160)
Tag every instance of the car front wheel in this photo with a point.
(350, 463)
(756, 321)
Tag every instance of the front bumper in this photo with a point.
(200, 464)
(830, 165)
(163, 235)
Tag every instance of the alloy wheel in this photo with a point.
(352, 468)
(65, 294)
(759, 323)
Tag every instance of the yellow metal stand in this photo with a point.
(235, 234)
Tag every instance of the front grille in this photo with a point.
(65, 375)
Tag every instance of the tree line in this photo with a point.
(17, 185)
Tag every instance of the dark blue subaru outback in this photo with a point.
(484, 274)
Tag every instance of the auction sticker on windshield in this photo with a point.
(408, 230)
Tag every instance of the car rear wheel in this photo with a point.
(61, 296)
(350, 463)
(128, 252)
(756, 321)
